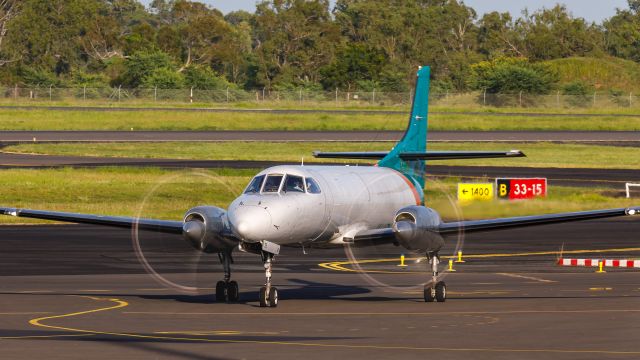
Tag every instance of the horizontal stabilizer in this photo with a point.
(429, 155)
(375, 155)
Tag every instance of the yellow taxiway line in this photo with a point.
(118, 304)
(340, 265)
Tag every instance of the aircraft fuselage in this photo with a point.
(345, 200)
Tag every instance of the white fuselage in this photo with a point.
(350, 199)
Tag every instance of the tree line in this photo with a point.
(293, 44)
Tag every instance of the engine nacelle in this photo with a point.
(414, 228)
(205, 228)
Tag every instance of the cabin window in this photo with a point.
(255, 185)
(312, 186)
(294, 184)
(272, 184)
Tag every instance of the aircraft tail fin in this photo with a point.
(415, 137)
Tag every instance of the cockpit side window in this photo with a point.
(255, 185)
(272, 184)
(294, 184)
(312, 186)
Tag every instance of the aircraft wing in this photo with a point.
(522, 221)
(164, 226)
(453, 228)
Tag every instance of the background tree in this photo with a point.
(622, 32)
(293, 39)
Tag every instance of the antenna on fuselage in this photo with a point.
(302, 161)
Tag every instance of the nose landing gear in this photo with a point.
(268, 293)
(436, 290)
(227, 290)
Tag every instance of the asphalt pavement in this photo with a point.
(608, 178)
(79, 292)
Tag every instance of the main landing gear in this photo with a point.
(436, 290)
(227, 290)
(268, 293)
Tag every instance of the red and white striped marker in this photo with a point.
(622, 263)
(579, 262)
(596, 262)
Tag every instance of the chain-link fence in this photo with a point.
(305, 98)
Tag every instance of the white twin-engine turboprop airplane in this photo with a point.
(332, 205)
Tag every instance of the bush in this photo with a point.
(203, 78)
(619, 97)
(163, 78)
(577, 93)
(513, 75)
(38, 78)
(142, 64)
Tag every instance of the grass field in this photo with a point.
(605, 72)
(12, 119)
(538, 154)
(167, 194)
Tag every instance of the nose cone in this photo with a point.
(404, 231)
(250, 223)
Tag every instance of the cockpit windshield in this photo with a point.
(272, 184)
(255, 185)
(293, 184)
(312, 186)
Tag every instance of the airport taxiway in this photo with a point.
(79, 292)
(607, 178)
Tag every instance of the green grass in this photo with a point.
(119, 191)
(538, 154)
(173, 120)
(602, 73)
(169, 193)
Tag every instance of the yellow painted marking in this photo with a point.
(41, 336)
(120, 304)
(218, 332)
(340, 265)
(526, 277)
(38, 321)
(600, 289)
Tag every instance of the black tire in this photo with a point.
(233, 291)
(273, 297)
(441, 291)
(263, 297)
(221, 291)
(428, 294)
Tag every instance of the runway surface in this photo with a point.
(618, 137)
(304, 111)
(609, 178)
(79, 291)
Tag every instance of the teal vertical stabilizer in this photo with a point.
(415, 138)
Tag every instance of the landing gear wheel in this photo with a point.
(441, 291)
(269, 299)
(263, 297)
(221, 291)
(429, 294)
(273, 297)
(233, 291)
